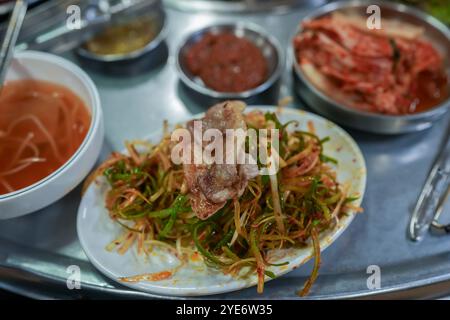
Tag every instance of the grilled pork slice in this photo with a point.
(211, 185)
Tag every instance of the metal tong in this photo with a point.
(433, 197)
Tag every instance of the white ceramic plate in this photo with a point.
(96, 230)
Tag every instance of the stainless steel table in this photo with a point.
(35, 250)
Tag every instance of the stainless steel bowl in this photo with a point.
(240, 6)
(434, 31)
(153, 10)
(267, 92)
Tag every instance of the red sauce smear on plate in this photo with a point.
(227, 63)
(148, 277)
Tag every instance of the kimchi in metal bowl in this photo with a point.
(433, 31)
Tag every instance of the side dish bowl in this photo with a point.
(156, 15)
(434, 31)
(269, 47)
(48, 67)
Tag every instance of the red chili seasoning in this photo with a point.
(227, 63)
(148, 277)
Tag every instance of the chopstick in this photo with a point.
(12, 32)
(433, 195)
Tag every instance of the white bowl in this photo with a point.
(48, 67)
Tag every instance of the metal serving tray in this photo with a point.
(36, 250)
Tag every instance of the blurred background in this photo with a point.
(45, 24)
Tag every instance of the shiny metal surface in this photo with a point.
(372, 122)
(10, 38)
(433, 196)
(436, 225)
(241, 5)
(36, 250)
(270, 48)
(7, 6)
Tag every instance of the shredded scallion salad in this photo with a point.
(149, 198)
